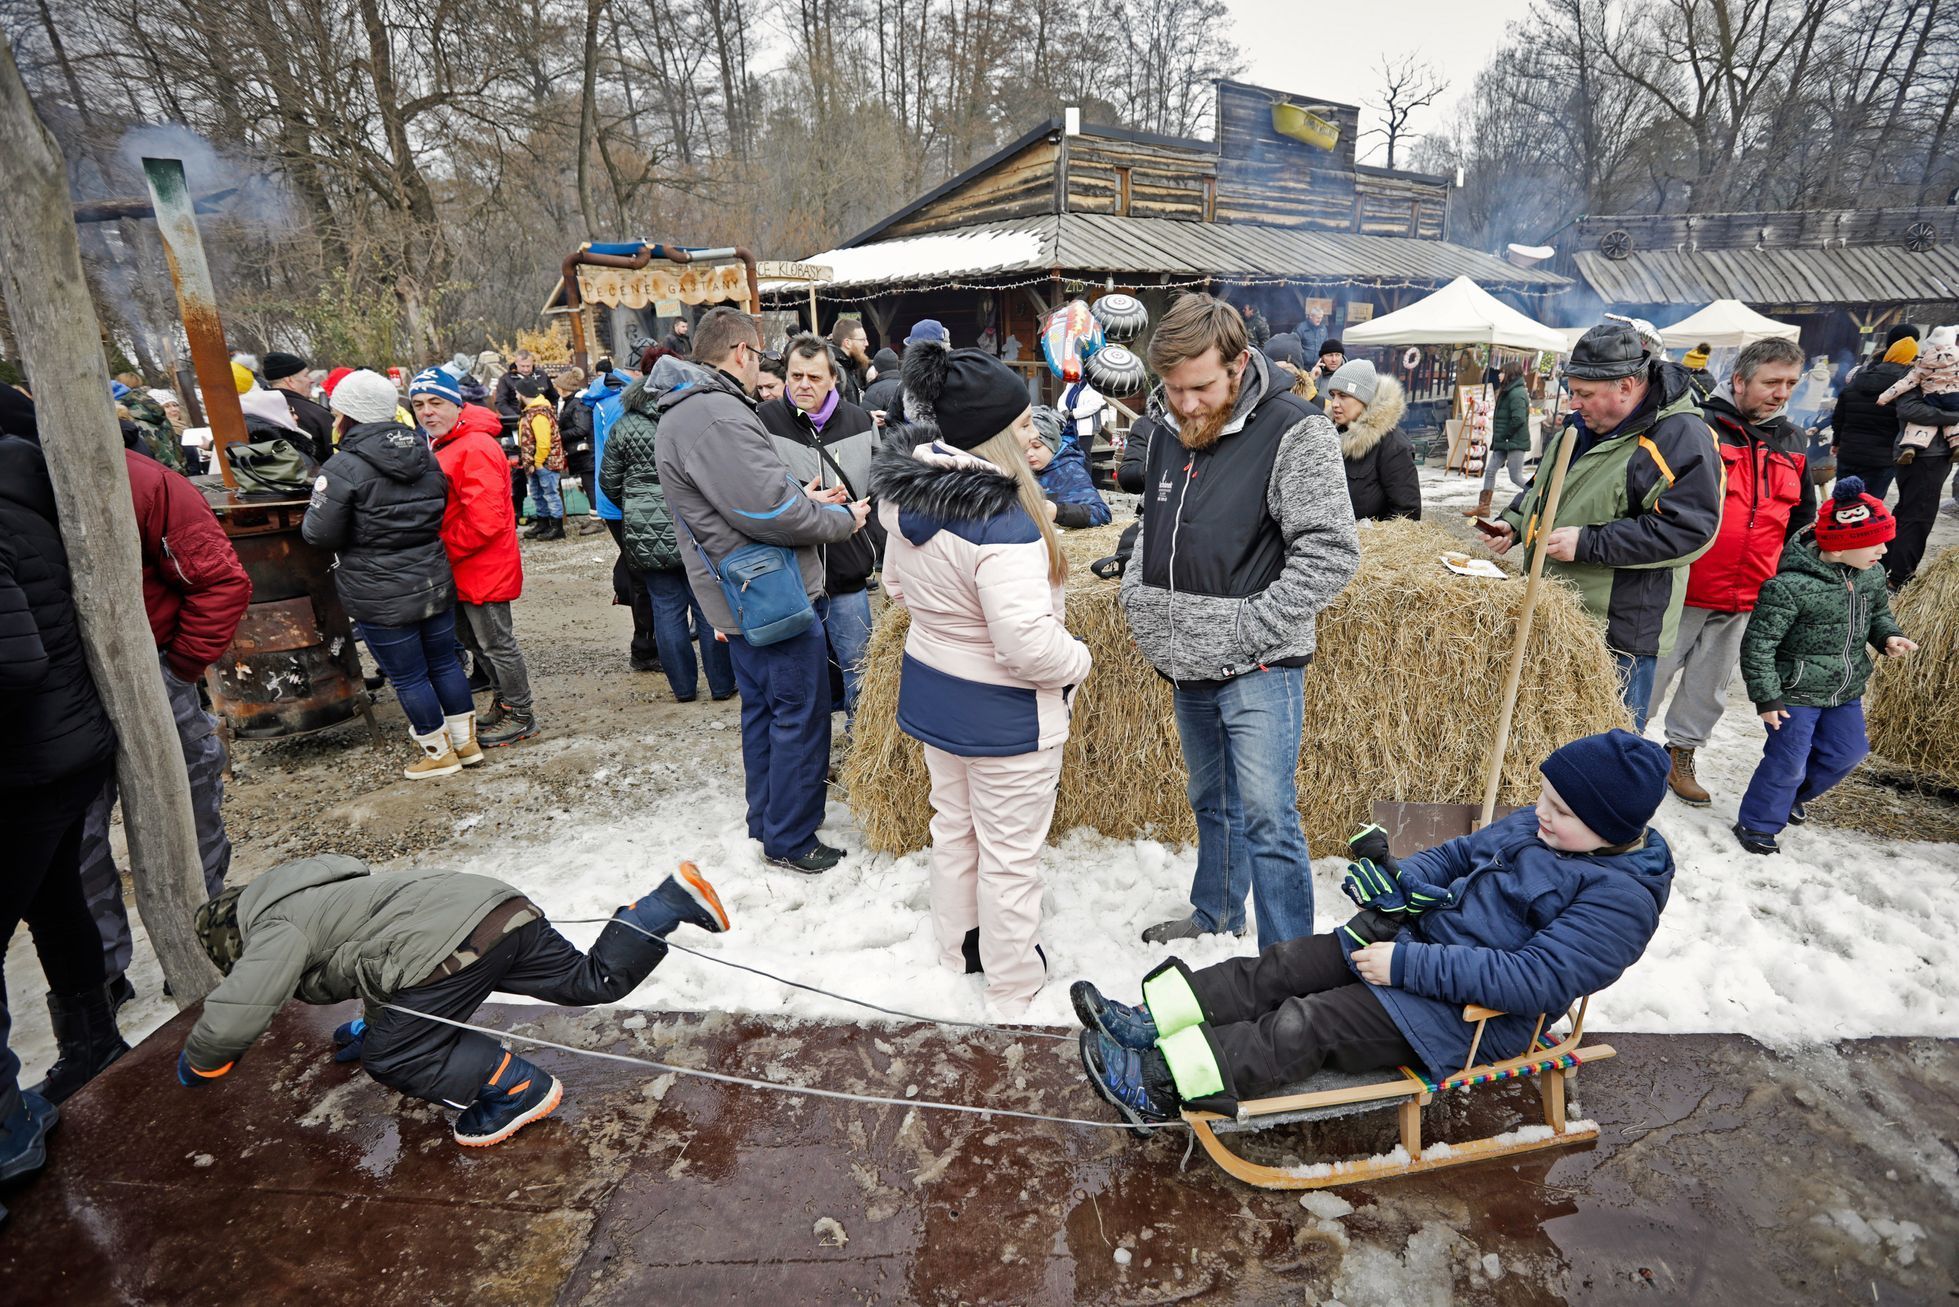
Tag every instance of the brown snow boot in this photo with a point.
(1482, 508)
(1681, 778)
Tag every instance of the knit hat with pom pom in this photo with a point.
(970, 395)
(1851, 519)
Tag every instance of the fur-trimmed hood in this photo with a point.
(917, 473)
(1376, 420)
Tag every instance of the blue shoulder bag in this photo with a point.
(764, 588)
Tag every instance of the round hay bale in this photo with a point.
(1401, 702)
(1913, 706)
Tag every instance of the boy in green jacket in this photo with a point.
(1804, 658)
(439, 942)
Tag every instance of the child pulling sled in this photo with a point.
(325, 930)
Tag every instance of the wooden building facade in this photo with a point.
(1287, 222)
(1842, 275)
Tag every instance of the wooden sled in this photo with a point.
(1553, 1063)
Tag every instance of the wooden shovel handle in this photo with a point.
(1493, 776)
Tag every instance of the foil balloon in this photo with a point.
(1122, 316)
(1069, 336)
(1115, 370)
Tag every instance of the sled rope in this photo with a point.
(750, 1083)
(1020, 1032)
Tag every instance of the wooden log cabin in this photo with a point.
(1842, 275)
(1289, 224)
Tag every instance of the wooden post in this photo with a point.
(60, 338)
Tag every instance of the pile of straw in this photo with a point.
(1401, 702)
(1913, 705)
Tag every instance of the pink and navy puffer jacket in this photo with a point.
(989, 666)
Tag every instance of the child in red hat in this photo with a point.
(1805, 659)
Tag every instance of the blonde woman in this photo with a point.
(989, 666)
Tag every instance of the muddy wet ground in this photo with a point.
(1723, 1174)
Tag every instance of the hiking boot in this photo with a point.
(1169, 932)
(1131, 1027)
(1680, 779)
(437, 758)
(1136, 1082)
(513, 725)
(1756, 841)
(1799, 814)
(820, 858)
(462, 738)
(24, 1133)
(540, 527)
(515, 1095)
(1482, 505)
(86, 1041)
(554, 529)
(684, 898)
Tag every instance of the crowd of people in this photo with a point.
(757, 496)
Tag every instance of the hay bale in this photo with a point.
(1913, 706)
(1401, 702)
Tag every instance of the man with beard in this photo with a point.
(1766, 503)
(1248, 533)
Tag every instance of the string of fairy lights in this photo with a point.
(1073, 285)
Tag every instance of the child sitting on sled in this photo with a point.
(324, 930)
(1526, 915)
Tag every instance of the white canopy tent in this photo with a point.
(1724, 324)
(1461, 313)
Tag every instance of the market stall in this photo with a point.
(1480, 330)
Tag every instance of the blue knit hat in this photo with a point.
(434, 381)
(1612, 782)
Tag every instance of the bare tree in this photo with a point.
(1407, 87)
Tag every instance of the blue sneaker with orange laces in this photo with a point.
(515, 1095)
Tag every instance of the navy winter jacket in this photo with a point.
(1067, 482)
(1532, 930)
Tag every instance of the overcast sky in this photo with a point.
(1334, 50)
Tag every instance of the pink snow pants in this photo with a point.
(990, 817)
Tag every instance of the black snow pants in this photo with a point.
(1277, 1018)
(430, 1060)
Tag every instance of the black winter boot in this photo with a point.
(554, 529)
(86, 1041)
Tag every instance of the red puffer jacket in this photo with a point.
(479, 526)
(194, 588)
(1768, 501)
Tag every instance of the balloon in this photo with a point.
(1068, 337)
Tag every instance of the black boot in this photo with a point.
(557, 531)
(86, 1041)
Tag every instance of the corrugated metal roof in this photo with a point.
(1102, 243)
(1847, 274)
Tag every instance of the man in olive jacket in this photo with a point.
(1641, 501)
(324, 930)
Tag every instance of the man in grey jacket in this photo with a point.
(727, 486)
(324, 930)
(1247, 532)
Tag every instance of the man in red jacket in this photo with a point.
(479, 529)
(1768, 501)
(195, 591)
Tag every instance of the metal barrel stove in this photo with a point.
(292, 667)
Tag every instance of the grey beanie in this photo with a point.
(1356, 377)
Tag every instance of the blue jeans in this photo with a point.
(545, 499)
(421, 663)
(785, 738)
(847, 621)
(1241, 747)
(1816, 748)
(673, 600)
(1636, 684)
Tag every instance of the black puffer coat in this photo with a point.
(52, 723)
(1864, 430)
(378, 505)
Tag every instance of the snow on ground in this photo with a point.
(1844, 934)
